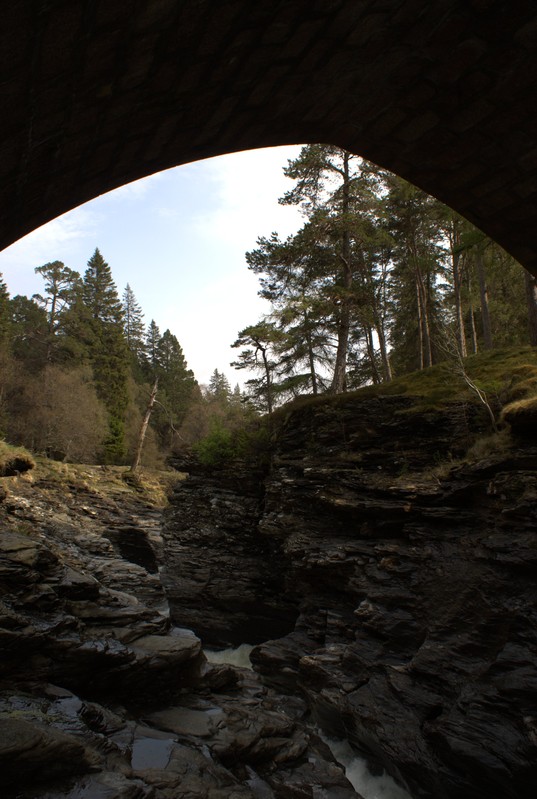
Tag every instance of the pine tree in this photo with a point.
(28, 333)
(60, 287)
(134, 326)
(176, 387)
(5, 315)
(107, 350)
(152, 338)
(328, 282)
(291, 278)
(419, 263)
(219, 388)
(258, 343)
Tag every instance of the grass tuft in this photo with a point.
(14, 460)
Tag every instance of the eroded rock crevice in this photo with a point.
(222, 578)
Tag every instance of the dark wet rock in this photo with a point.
(72, 611)
(416, 634)
(103, 699)
(222, 579)
(134, 546)
(31, 752)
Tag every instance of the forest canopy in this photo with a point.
(381, 280)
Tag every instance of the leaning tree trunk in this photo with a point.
(143, 429)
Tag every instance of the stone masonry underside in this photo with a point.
(95, 94)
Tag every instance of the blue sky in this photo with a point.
(179, 238)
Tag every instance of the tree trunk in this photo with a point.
(371, 352)
(311, 359)
(420, 324)
(459, 319)
(267, 377)
(471, 318)
(473, 330)
(427, 344)
(483, 293)
(385, 358)
(143, 429)
(343, 328)
(531, 296)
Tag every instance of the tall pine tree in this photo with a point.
(107, 350)
(60, 287)
(176, 386)
(5, 315)
(134, 325)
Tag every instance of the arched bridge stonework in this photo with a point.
(96, 93)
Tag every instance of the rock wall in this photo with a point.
(222, 578)
(416, 636)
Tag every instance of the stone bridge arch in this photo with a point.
(95, 94)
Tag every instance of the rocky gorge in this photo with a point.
(389, 591)
(408, 589)
(101, 696)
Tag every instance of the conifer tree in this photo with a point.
(418, 264)
(219, 388)
(107, 350)
(60, 287)
(134, 326)
(5, 315)
(257, 355)
(152, 338)
(28, 333)
(176, 386)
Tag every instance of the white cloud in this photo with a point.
(248, 185)
(57, 240)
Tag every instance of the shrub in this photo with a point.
(250, 442)
(217, 447)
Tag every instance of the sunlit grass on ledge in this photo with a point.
(504, 375)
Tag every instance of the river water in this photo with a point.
(356, 770)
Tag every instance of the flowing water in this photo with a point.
(356, 770)
(359, 776)
(240, 656)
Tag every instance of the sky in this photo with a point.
(179, 239)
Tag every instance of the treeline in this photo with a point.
(78, 367)
(382, 279)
